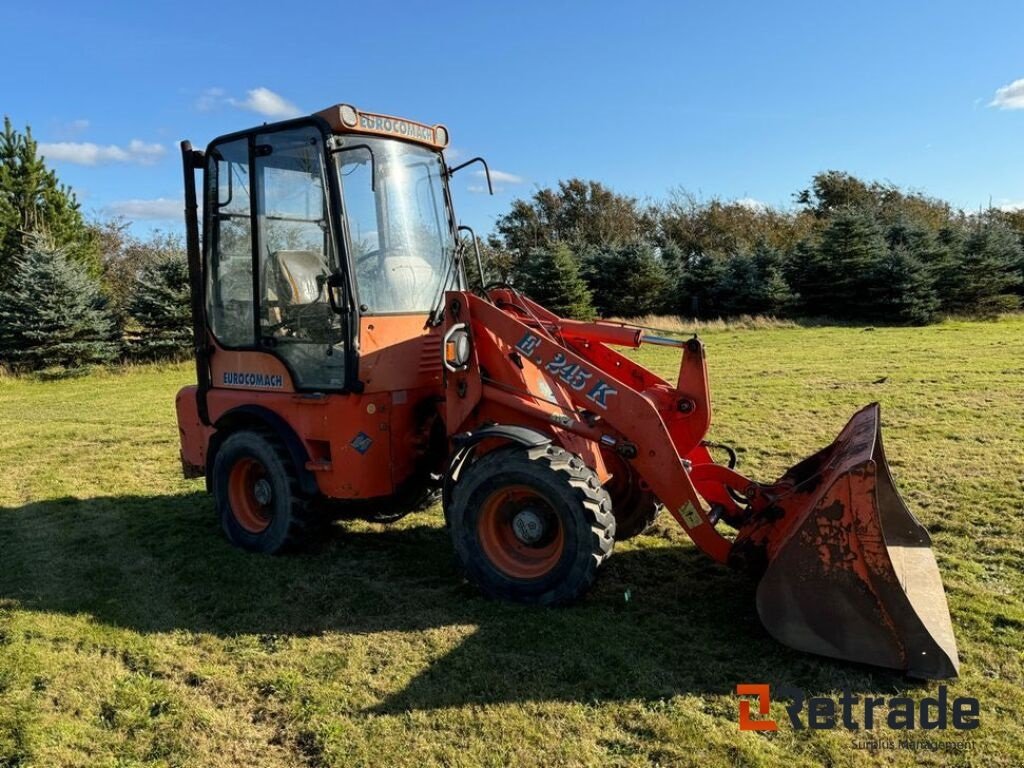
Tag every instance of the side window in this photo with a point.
(229, 260)
(360, 203)
(296, 257)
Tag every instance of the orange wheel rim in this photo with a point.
(250, 495)
(520, 532)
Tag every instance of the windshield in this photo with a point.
(397, 223)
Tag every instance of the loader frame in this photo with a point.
(599, 397)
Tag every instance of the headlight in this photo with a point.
(457, 347)
(348, 115)
(441, 136)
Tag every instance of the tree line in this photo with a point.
(847, 250)
(76, 292)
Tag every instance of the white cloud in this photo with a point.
(77, 126)
(1009, 96)
(501, 177)
(209, 99)
(87, 153)
(481, 189)
(752, 204)
(1010, 205)
(261, 100)
(158, 209)
(68, 130)
(264, 101)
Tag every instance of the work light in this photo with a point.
(457, 347)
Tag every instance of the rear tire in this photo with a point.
(531, 525)
(256, 491)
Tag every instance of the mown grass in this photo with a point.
(131, 633)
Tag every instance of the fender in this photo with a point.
(465, 444)
(527, 436)
(249, 415)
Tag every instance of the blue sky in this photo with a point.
(739, 100)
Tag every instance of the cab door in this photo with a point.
(301, 307)
(275, 285)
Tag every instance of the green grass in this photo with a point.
(131, 633)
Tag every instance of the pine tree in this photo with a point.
(673, 263)
(753, 284)
(774, 296)
(988, 272)
(945, 267)
(935, 251)
(903, 289)
(160, 307)
(551, 277)
(629, 281)
(739, 286)
(851, 249)
(702, 287)
(34, 203)
(52, 313)
(808, 273)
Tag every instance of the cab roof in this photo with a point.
(344, 118)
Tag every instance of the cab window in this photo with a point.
(229, 237)
(398, 227)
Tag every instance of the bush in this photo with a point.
(123, 257)
(53, 314)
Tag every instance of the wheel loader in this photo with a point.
(345, 366)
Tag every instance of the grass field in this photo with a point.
(131, 633)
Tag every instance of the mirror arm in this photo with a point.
(476, 249)
(487, 171)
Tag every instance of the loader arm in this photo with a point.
(845, 569)
(593, 402)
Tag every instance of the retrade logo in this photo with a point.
(854, 712)
(764, 701)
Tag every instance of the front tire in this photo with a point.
(531, 525)
(255, 488)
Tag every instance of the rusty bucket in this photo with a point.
(846, 569)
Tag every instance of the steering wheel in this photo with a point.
(366, 257)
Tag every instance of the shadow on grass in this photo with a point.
(159, 564)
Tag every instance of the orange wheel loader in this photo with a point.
(344, 366)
